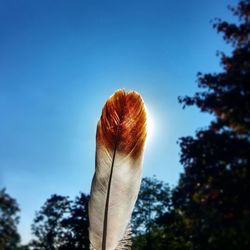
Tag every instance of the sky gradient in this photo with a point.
(61, 60)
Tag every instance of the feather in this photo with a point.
(120, 139)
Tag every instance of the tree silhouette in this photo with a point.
(9, 237)
(212, 194)
(61, 224)
(153, 201)
(77, 224)
(47, 226)
(174, 231)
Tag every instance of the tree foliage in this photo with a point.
(61, 224)
(153, 201)
(9, 237)
(212, 191)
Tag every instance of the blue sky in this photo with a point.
(60, 60)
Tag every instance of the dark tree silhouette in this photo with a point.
(9, 237)
(77, 224)
(47, 226)
(212, 194)
(174, 229)
(61, 224)
(153, 201)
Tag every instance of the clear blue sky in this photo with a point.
(60, 60)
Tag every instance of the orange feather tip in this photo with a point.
(122, 125)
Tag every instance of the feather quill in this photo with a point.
(120, 139)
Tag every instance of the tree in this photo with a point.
(9, 237)
(212, 194)
(77, 224)
(153, 201)
(174, 228)
(61, 224)
(47, 226)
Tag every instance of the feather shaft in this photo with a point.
(105, 223)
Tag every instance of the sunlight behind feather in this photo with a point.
(150, 126)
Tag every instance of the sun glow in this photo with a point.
(150, 126)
